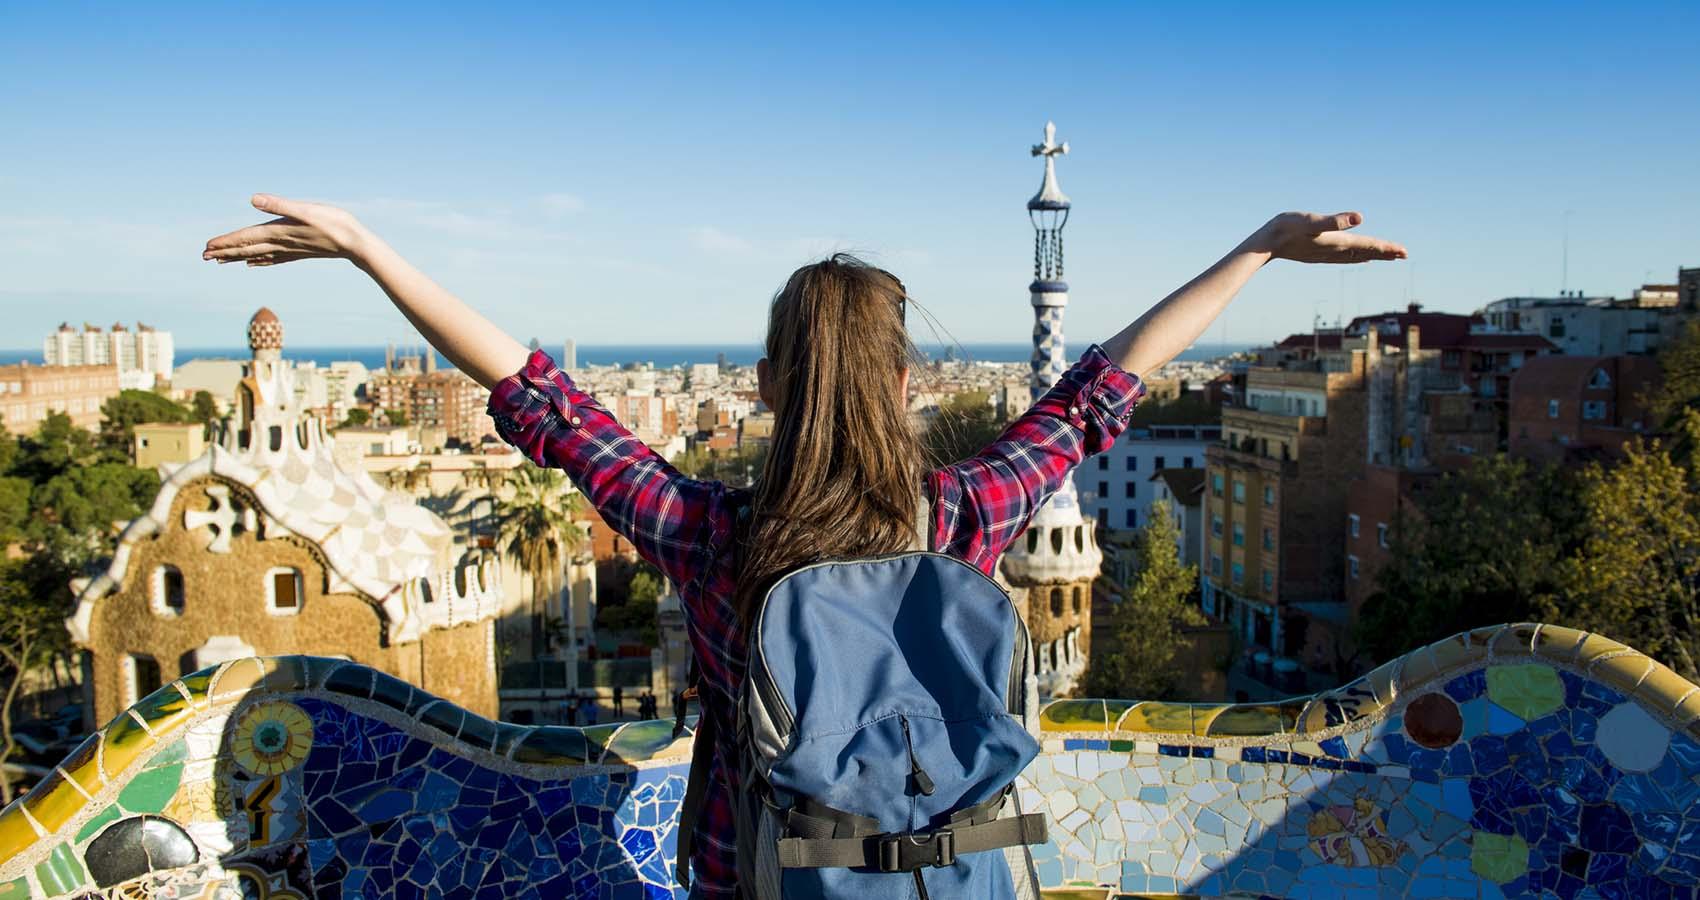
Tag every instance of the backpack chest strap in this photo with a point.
(908, 852)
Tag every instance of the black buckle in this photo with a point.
(908, 852)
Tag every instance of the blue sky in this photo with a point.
(651, 173)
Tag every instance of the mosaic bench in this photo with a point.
(1522, 760)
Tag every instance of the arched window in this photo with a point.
(284, 593)
(168, 594)
(276, 437)
(1056, 540)
(1032, 540)
(1080, 538)
(1077, 599)
(1056, 601)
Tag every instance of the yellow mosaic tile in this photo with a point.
(1313, 718)
(236, 679)
(1419, 667)
(1202, 716)
(1384, 682)
(1483, 637)
(1291, 712)
(163, 710)
(1593, 647)
(54, 801)
(1663, 689)
(1247, 721)
(283, 674)
(1074, 715)
(1623, 672)
(1688, 710)
(1156, 717)
(15, 832)
(1515, 640)
(80, 765)
(1558, 643)
(197, 685)
(1453, 653)
(121, 743)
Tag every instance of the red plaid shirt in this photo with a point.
(684, 526)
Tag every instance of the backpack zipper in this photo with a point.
(923, 781)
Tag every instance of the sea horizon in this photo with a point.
(661, 356)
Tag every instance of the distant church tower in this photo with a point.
(1055, 562)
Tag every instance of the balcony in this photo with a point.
(1505, 761)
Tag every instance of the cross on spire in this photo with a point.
(1050, 148)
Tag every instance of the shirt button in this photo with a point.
(575, 420)
(1074, 410)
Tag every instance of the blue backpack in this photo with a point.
(879, 735)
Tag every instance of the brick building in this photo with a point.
(28, 393)
(1275, 497)
(1569, 406)
(447, 399)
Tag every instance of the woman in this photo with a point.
(841, 478)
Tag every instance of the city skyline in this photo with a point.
(682, 163)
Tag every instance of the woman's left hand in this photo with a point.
(1316, 238)
(302, 231)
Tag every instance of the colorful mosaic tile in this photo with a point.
(1518, 761)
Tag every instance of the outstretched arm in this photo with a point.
(1172, 325)
(316, 231)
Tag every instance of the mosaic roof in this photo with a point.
(1515, 761)
(375, 542)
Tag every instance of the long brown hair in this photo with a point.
(844, 468)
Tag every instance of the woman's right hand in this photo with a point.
(1316, 238)
(302, 231)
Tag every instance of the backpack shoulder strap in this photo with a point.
(696, 789)
(924, 536)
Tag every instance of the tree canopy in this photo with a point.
(964, 425)
(1139, 662)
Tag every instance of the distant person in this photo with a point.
(619, 703)
(844, 467)
(590, 710)
(572, 711)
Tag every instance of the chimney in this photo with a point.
(1413, 307)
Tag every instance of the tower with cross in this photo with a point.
(1055, 562)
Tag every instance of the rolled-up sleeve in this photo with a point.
(661, 511)
(983, 503)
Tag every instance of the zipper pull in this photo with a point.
(923, 781)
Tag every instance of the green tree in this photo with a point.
(90, 500)
(120, 415)
(14, 508)
(738, 466)
(8, 450)
(203, 409)
(1679, 387)
(638, 612)
(57, 445)
(964, 425)
(1148, 622)
(396, 417)
(535, 527)
(1636, 576)
(32, 632)
(1484, 546)
(356, 418)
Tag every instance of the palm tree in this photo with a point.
(535, 526)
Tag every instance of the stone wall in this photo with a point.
(1511, 761)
